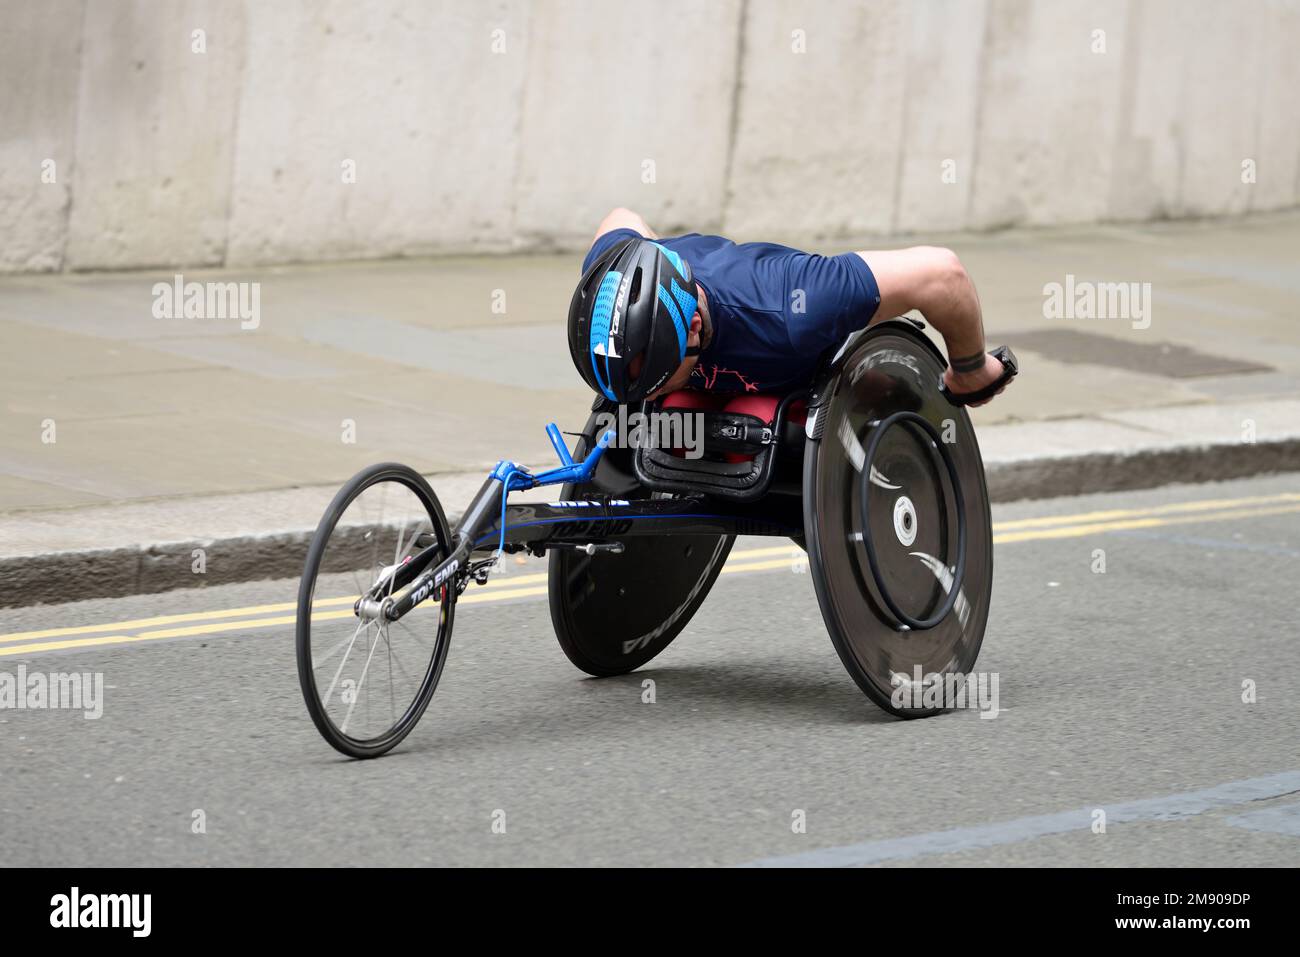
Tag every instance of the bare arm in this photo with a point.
(933, 281)
(620, 218)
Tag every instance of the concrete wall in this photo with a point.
(40, 53)
(155, 126)
(331, 129)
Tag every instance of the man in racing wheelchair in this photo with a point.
(826, 422)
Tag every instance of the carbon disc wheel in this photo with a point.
(614, 612)
(896, 474)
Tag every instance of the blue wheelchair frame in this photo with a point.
(490, 524)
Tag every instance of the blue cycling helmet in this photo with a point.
(637, 299)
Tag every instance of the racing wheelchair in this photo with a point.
(874, 471)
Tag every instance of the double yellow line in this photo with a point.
(1128, 519)
(504, 587)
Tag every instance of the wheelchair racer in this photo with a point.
(654, 315)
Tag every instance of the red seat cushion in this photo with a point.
(760, 405)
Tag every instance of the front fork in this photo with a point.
(390, 598)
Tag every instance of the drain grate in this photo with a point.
(1152, 358)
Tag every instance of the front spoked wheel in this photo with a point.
(366, 680)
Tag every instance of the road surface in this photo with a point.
(1120, 690)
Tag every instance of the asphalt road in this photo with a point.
(1120, 691)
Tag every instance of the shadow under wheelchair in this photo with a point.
(684, 698)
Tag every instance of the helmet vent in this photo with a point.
(635, 293)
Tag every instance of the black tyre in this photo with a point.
(366, 682)
(906, 501)
(614, 612)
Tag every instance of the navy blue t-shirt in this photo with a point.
(774, 309)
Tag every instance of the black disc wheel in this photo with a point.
(367, 680)
(897, 516)
(614, 612)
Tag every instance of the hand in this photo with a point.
(967, 382)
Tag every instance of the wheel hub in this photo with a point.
(904, 520)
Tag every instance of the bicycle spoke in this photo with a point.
(331, 653)
(360, 684)
(388, 649)
(326, 699)
(413, 633)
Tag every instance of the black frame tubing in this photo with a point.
(547, 524)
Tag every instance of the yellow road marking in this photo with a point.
(1096, 528)
(172, 619)
(501, 593)
(502, 589)
(76, 643)
(219, 627)
(1204, 505)
(752, 553)
(227, 626)
(797, 555)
